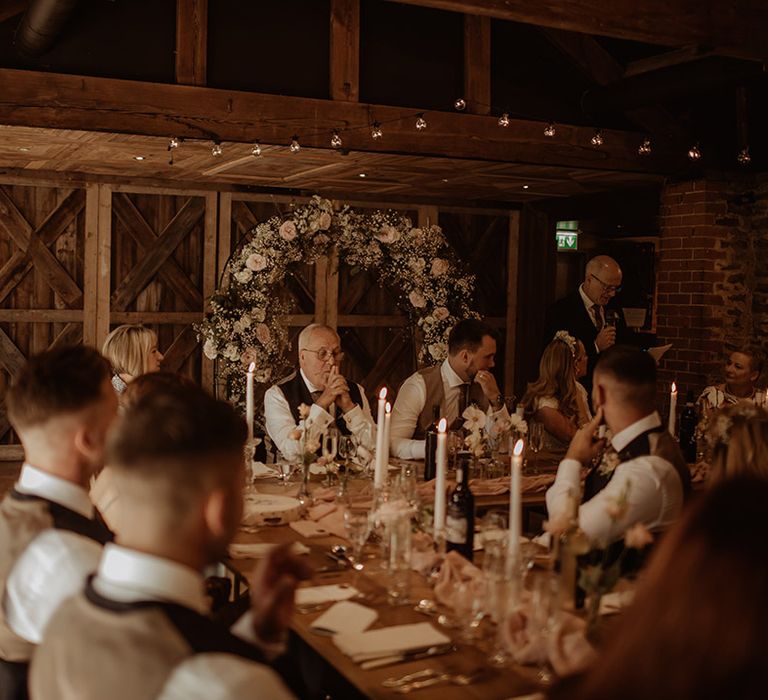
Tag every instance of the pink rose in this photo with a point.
(256, 262)
(387, 234)
(321, 239)
(249, 355)
(295, 434)
(417, 299)
(441, 313)
(637, 536)
(287, 230)
(263, 333)
(325, 221)
(439, 267)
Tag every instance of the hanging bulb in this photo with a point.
(217, 150)
(694, 153)
(173, 143)
(504, 120)
(460, 104)
(295, 148)
(645, 148)
(549, 130)
(744, 158)
(597, 138)
(256, 149)
(335, 140)
(421, 123)
(376, 131)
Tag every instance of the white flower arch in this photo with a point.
(246, 320)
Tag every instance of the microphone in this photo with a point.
(611, 317)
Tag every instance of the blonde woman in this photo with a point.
(556, 399)
(738, 440)
(742, 371)
(131, 350)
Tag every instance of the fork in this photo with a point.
(454, 678)
(409, 678)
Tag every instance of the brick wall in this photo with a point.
(712, 275)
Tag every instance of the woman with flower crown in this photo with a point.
(556, 399)
(742, 370)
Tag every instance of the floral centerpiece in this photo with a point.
(246, 319)
(309, 440)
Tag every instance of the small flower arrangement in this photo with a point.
(568, 339)
(474, 424)
(308, 437)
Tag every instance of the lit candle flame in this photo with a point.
(388, 407)
(251, 367)
(442, 425)
(383, 393)
(518, 448)
(674, 388)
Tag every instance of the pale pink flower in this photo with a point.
(417, 299)
(474, 418)
(263, 333)
(287, 230)
(295, 434)
(638, 536)
(439, 267)
(438, 351)
(249, 355)
(324, 221)
(313, 445)
(256, 262)
(387, 234)
(303, 410)
(441, 313)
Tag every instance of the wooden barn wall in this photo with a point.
(78, 261)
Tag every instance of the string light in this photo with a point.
(217, 150)
(694, 153)
(173, 143)
(644, 148)
(460, 104)
(335, 140)
(256, 149)
(549, 130)
(744, 158)
(421, 123)
(295, 147)
(376, 131)
(504, 120)
(597, 138)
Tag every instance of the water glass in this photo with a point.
(399, 560)
(536, 442)
(284, 471)
(347, 449)
(330, 448)
(544, 617)
(357, 523)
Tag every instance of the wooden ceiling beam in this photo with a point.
(48, 100)
(191, 41)
(665, 60)
(345, 50)
(728, 29)
(477, 63)
(11, 8)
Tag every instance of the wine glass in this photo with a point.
(347, 449)
(284, 471)
(357, 523)
(536, 442)
(330, 448)
(544, 611)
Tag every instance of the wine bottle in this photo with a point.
(688, 423)
(460, 512)
(430, 454)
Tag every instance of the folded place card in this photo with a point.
(306, 528)
(324, 594)
(344, 617)
(259, 470)
(389, 641)
(256, 550)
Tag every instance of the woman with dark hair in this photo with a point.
(699, 624)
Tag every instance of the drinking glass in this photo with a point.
(330, 447)
(544, 613)
(469, 600)
(347, 449)
(284, 471)
(357, 523)
(493, 527)
(536, 442)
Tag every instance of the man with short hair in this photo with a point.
(61, 404)
(318, 384)
(585, 313)
(140, 628)
(463, 377)
(651, 479)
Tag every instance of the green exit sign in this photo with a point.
(567, 235)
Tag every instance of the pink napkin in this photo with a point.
(423, 555)
(320, 510)
(489, 487)
(535, 484)
(455, 569)
(566, 646)
(334, 522)
(325, 494)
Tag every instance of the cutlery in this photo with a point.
(416, 654)
(454, 678)
(409, 678)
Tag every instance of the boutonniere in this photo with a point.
(609, 461)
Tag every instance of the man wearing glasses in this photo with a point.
(318, 384)
(585, 313)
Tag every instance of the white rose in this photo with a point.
(387, 234)
(245, 321)
(441, 313)
(439, 267)
(209, 349)
(418, 264)
(287, 230)
(417, 299)
(231, 353)
(438, 351)
(324, 221)
(256, 262)
(263, 333)
(243, 276)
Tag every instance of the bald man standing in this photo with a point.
(585, 314)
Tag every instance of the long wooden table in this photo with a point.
(499, 683)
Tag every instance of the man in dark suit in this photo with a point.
(585, 313)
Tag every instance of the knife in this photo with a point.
(416, 654)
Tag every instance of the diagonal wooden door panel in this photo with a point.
(34, 244)
(387, 360)
(171, 272)
(354, 292)
(11, 357)
(141, 275)
(180, 349)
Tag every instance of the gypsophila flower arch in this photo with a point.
(246, 319)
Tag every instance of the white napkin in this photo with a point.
(389, 641)
(259, 470)
(256, 550)
(345, 616)
(308, 529)
(323, 594)
(613, 602)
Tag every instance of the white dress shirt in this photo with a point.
(410, 403)
(650, 484)
(128, 576)
(280, 422)
(55, 564)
